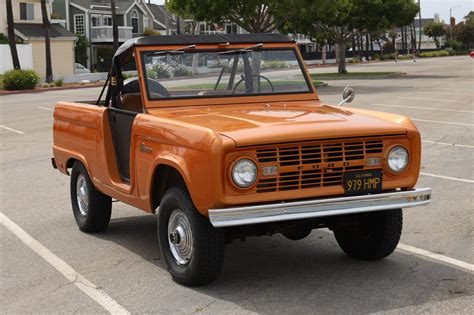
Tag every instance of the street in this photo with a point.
(271, 275)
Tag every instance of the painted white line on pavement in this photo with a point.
(427, 108)
(12, 130)
(442, 122)
(449, 178)
(431, 99)
(98, 295)
(46, 108)
(434, 256)
(449, 144)
(442, 93)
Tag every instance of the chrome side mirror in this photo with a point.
(347, 96)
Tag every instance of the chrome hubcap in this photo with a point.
(180, 237)
(82, 195)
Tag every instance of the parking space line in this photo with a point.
(442, 122)
(46, 108)
(427, 108)
(442, 93)
(431, 99)
(90, 289)
(12, 130)
(448, 178)
(449, 144)
(431, 255)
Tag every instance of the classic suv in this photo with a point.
(224, 137)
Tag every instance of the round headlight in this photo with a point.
(244, 173)
(398, 159)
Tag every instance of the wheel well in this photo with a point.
(70, 164)
(164, 177)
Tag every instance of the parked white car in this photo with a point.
(80, 69)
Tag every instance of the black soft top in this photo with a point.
(164, 40)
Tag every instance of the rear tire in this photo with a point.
(191, 247)
(91, 208)
(375, 236)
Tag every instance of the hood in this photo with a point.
(253, 124)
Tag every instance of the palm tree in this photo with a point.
(47, 42)
(11, 36)
(114, 25)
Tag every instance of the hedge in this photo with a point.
(20, 80)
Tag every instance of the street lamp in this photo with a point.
(450, 25)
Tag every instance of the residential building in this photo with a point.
(426, 41)
(28, 19)
(93, 19)
(159, 20)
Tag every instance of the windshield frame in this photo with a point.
(151, 102)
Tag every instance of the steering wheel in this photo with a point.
(132, 85)
(253, 76)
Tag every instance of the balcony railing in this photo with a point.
(105, 33)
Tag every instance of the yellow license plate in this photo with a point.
(363, 182)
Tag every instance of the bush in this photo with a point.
(182, 71)
(277, 64)
(162, 70)
(20, 80)
(454, 44)
(1, 81)
(58, 82)
(150, 32)
(3, 39)
(432, 54)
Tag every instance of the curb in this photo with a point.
(42, 90)
(376, 77)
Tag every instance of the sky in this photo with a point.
(430, 7)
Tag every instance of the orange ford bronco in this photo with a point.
(224, 137)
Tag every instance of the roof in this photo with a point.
(159, 15)
(121, 5)
(32, 30)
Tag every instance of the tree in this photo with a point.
(114, 25)
(344, 19)
(464, 31)
(434, 30)
(255, 16)
(80, 49)
(11, 36)
(47, 42)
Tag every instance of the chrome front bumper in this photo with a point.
(286, 211)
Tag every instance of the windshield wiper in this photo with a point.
(241, 50)
(174, 51)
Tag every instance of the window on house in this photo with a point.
(134, 19)
(231, 28)
(79, 25)
(107, 20)
(27, 11)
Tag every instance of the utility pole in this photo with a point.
(167, 21)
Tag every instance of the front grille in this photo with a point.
(315, 164)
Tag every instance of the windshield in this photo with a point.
(243, 72)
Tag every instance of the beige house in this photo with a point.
(27, 17)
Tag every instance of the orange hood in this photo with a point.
(253, 124)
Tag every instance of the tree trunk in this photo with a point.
(323, 53)
(341, 56)
(115, 33)
(367, 47)
(419, 36)
(11, 36)
(371, 46)
(47, 42)
(195, 62)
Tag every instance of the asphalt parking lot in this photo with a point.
(431, 272)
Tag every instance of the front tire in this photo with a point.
(374, 236)
(91, 208)
(191, 247)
